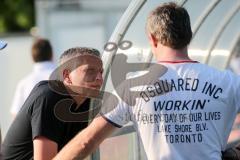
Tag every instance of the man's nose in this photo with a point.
(99, 77)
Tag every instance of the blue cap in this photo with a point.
(2, 45)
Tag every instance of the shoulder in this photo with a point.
(213, 72)
(224, 78)
(51, 91)
(42, 89)
(43, 97)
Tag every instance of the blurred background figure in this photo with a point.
(42, 56)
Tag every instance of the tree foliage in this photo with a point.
(16, 15)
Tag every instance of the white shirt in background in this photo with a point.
(41, 71)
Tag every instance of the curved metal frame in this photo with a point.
(120, 31)
(183, 2)
(116, 37)
(204, 16)
(232, 48)
(222, 27)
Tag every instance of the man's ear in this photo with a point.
(66, 76)
(153, 40)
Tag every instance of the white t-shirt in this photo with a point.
(41, 71)
(192, 120)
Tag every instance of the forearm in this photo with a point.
(78, 148)
(44, 148)
(85, 142)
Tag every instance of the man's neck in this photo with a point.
(168, 54)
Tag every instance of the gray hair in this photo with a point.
(77, 51)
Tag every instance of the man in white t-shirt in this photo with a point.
(43, 66)
(186, 112)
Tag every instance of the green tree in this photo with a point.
(16, 15)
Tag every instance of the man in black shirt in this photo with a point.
(37, 132)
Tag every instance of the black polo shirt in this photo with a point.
(37, 117)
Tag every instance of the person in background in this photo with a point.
(42, 56)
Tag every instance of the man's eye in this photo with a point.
(90, 71)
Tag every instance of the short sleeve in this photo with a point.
(43, 120)
(119, 116)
